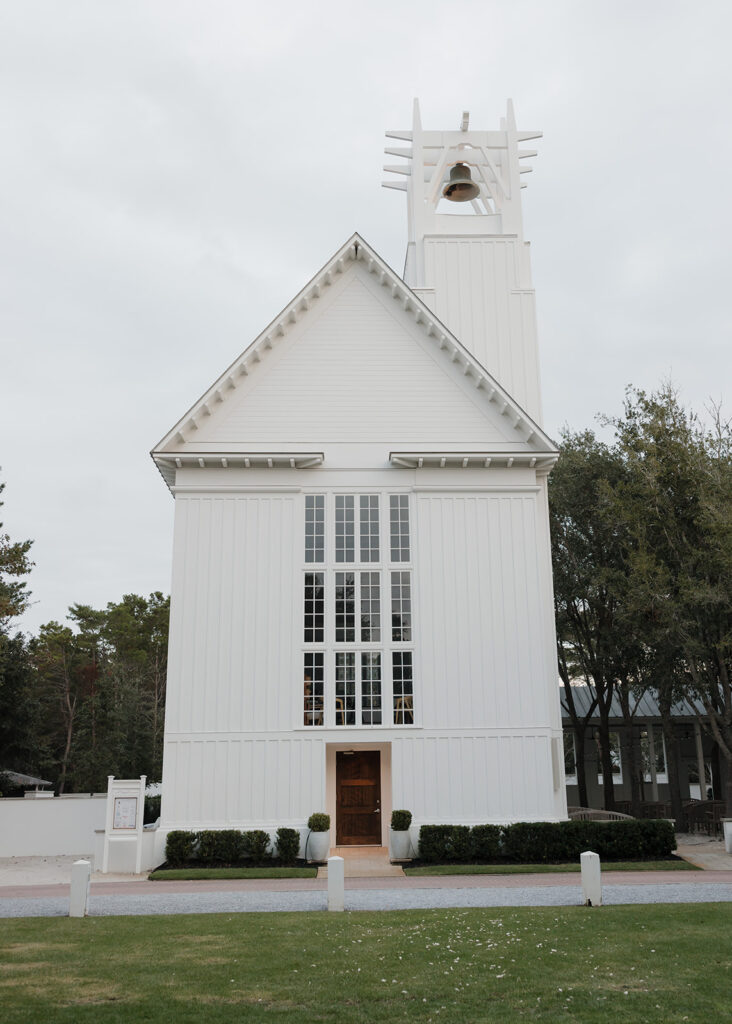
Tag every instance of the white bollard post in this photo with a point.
(591, 879)
(80, 879)
(336, 884)
(727, 826)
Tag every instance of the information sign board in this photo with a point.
(125, 812)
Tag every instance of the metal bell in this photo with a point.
(461, 188)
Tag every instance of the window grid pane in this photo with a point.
(357, 683)
(345, 688)
(345, 607)
(659, 750)
(615, 761)
(570, 759)
(315, 528)
(369, 508)
(313, 688)
(370, 608)
(344, 528)
(370, 689)
(399, 527)
(401, 607)
(314, 607)
(401, 665)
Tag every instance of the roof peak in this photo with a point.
(354, 251)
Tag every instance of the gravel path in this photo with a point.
(105, 905)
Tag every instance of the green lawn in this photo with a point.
(542, 869)
(645, 965)
(194, 874)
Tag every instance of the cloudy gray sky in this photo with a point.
(173, 172)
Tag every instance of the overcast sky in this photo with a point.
(174, 172)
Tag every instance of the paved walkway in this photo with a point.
(241, 895)
(42, 889)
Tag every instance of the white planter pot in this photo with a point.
(318, 846)
(400, 847)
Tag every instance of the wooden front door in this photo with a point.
(358, 798)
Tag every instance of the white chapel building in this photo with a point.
(361, 614)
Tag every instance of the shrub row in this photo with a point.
(219, 847)
(152, 809)
(544, 842)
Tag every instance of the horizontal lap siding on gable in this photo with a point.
(233, 602)
(360, 372)
(480, 630)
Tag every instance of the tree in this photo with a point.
(59, 665)
(102, 691)
(589, 587)
(14, 564)
(676, 506)
(17, 706)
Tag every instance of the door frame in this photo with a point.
(385, 779)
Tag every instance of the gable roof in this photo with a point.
(452, 350)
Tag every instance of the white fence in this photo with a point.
(52, 827)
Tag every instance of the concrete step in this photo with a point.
(364, 862)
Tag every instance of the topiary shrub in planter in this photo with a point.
(318, 842)
(319, 822)
(180, 848)
(401, 820)
(288, 845)
(256, 844)
(399, 843)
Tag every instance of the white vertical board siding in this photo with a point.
(483, 294)
(234, 588)
(242, 781)
(474, 778)
(479, 616)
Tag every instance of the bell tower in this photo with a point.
(466, 254)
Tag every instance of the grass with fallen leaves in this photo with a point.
(642, 964)
(198, 874)
(675, 864)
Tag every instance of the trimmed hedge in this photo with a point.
(546, 842)
(486, 840)
(217, 847)
(226, 847)
(288, 845)
(180, 848)
(445, 843)
(256, 844)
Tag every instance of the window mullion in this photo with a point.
(387, 687)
